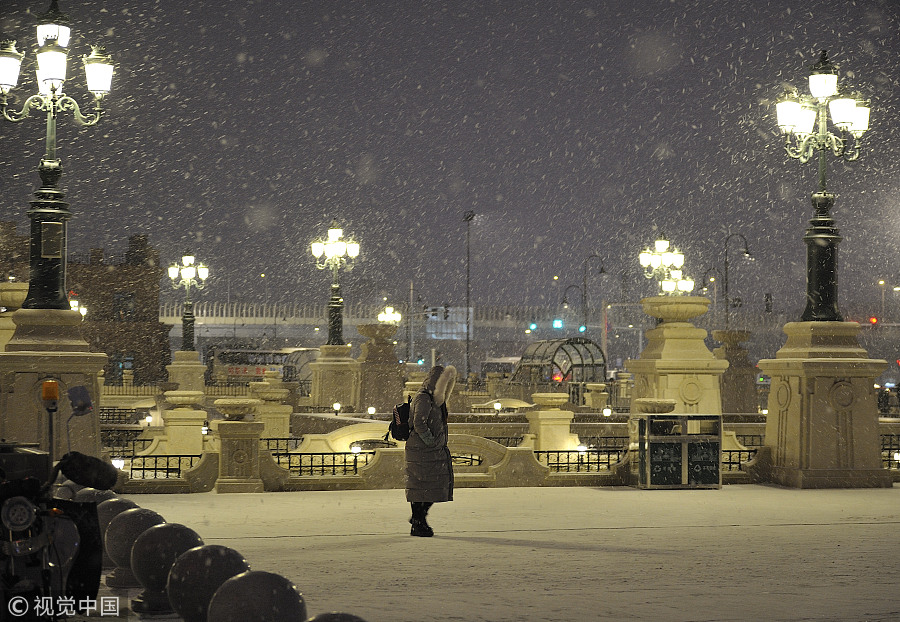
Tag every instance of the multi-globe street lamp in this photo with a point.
(803, 136)
(746, 252)
(665, 266)
(49, 212)
(333, 252)
(188, 274)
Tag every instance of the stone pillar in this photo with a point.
(822, 426)
(738, 383)
(335, 378)
(12, 294)
(187, 371)
(596, 396)
(47, 345)
(271, 411)
(551, 426)
(676, 363)
(381, 373)
(239, 446)
(183, 423)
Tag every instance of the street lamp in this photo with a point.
(584, 296)
(389, 316)
(49, 212)
(883, 286)
(665, 266)
(711, 280)
(188, 274)
(333, 252)
(468, 217)
(802, 138)
(725, 276)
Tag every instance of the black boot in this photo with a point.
(419, 526)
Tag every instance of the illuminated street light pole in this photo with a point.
(468, 217)
(333, 252)
(725, 276)
(666, 267)
(797, 118)
(49, 212)
(187, 274)
(584, 296)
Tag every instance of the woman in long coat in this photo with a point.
(429, 472)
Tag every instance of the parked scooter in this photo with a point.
(50, 549)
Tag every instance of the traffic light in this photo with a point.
(873, 320)
(582, 328)
(557, 323)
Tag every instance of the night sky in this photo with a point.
(239, 130)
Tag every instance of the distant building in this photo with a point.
(121, 295)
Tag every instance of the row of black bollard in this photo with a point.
(180, 574)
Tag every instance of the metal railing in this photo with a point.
(890, 451)
(604, 442)
(279, 446)
(128, 447)
(338, 463)
(734, 459)
(580, 461)
(466, 459)
(751, 440)
(506, 441)
(162, 467)
(113, 416)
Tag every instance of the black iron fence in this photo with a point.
(466, 459)
(279, 446)
(162, 467)
(338, 463)
(580, 461)
(734, 459)
(111, 416)
(127, 448)
(890, 451)
(751, 440)
(506, 441)
(604, 442)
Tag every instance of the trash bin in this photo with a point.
(676, 451)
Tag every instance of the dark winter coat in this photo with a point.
(429, 471)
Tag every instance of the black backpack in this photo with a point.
(399, 428)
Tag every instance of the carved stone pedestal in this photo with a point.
(335, 378)
(271, 411)
(381, 374)
(187, 371)
(551, 426)
(676, 363)
(47, 345)
(822, 426)
(184, 423)
(239, 447)
(738, 383)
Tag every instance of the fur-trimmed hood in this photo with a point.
(444, 385)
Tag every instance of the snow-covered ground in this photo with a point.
(755, 553)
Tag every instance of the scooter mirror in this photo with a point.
(81, 401)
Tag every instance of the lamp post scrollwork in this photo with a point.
(333, 252)
(49, 211)
(803, 122)
(188, 274)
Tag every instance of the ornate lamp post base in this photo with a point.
(822, 426)
(822, 239)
